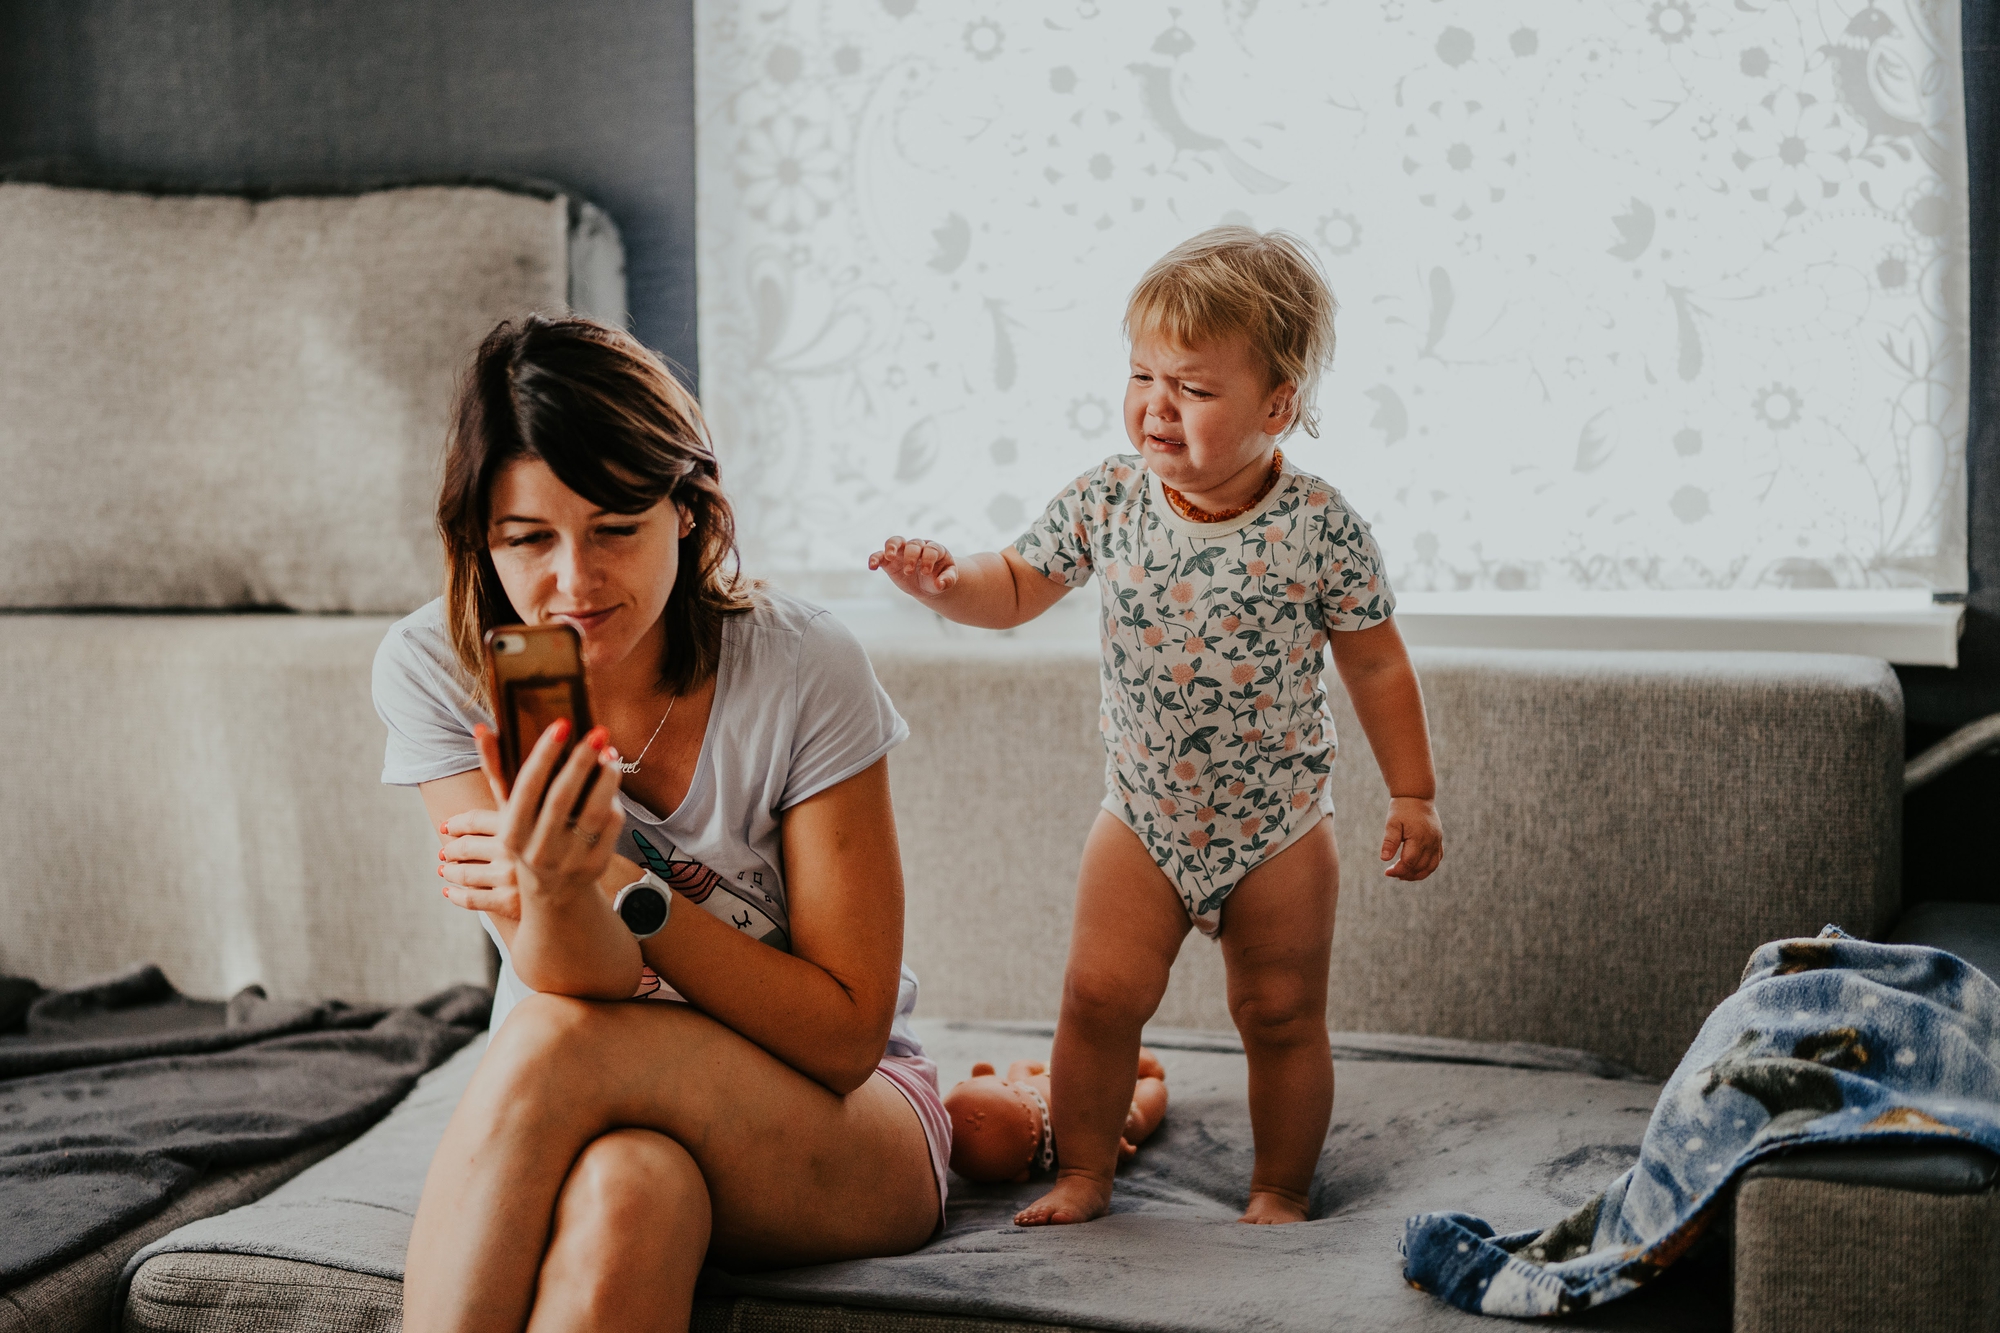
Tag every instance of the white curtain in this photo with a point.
(1661, 294)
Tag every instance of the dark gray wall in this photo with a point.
(1937, 696)
(1951, 829)
(593, 95)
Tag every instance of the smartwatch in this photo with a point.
(644, 905)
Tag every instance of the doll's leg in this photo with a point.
(1277, 937)
(1129, 925)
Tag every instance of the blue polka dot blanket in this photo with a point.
(1830, 1040)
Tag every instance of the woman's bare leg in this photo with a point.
(794, 1173)
(1277, 940)
(631, 1227)
(1129, 925)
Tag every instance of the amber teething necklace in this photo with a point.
(1196, 514)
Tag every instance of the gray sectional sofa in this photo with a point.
(195, 784)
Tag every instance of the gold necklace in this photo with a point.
(1196, 514)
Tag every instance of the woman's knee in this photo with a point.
(633, 1180)
(530, 1062)
(633, 1202)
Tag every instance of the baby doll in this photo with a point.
(1001, 1130)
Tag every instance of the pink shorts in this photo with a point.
(916, 1078)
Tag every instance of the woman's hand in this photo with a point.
(477, 868)
(920, 568)
(530, 850)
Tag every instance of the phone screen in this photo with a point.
(533, 703)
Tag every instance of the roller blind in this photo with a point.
(1656, 295)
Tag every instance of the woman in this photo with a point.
(784, 1114)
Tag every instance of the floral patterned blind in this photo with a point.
(1635, 294)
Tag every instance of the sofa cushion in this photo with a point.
(1408, 1134)
(242, 1293)
(1621, 831)
(1970, 930)
(206, 797)
(212, 401)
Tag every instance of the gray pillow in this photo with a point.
(210, 401)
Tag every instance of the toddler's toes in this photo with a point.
(1267, 1209)
(1073, 1199)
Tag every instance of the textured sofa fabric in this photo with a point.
(214, 402)
(1408, 1134)
(206, 796)
(1816, 1256)
(82, 1295)
(237, 1293)
(1621, 830)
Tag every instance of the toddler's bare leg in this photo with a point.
(1129, 925)
(1277, 939)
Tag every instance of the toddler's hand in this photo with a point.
(918, 567)
(1413, 830)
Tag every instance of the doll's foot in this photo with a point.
(1073, 1199)
(1271, 1209)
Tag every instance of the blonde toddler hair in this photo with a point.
(1265, 286)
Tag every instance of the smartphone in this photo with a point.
(537, 675)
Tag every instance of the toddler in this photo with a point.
(1226, 575)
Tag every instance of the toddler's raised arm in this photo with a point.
(993, 590)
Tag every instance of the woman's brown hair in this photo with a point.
(616, 427)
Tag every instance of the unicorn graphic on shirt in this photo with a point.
(699, 884)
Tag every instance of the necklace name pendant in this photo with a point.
(631, 767)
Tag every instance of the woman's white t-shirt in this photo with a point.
(797, 710)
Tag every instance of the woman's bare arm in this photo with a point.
(825, 1008)
(561, 939)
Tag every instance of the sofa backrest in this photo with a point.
(1621, 829)
(211, 401)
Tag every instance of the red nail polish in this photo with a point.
(561, 729)
(597, 737)
(479, 731)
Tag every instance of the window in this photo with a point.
(1640, 296)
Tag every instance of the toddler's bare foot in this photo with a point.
(1268, 1208)
(1073, 1199)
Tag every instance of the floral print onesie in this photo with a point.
(1216, 734)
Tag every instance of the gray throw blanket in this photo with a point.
(114, 1097)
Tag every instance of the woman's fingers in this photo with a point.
(563, 809)
(481, 900)
(472, 823)
(488, 742)
(476, 874)
(518, 817)
(473, 847)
